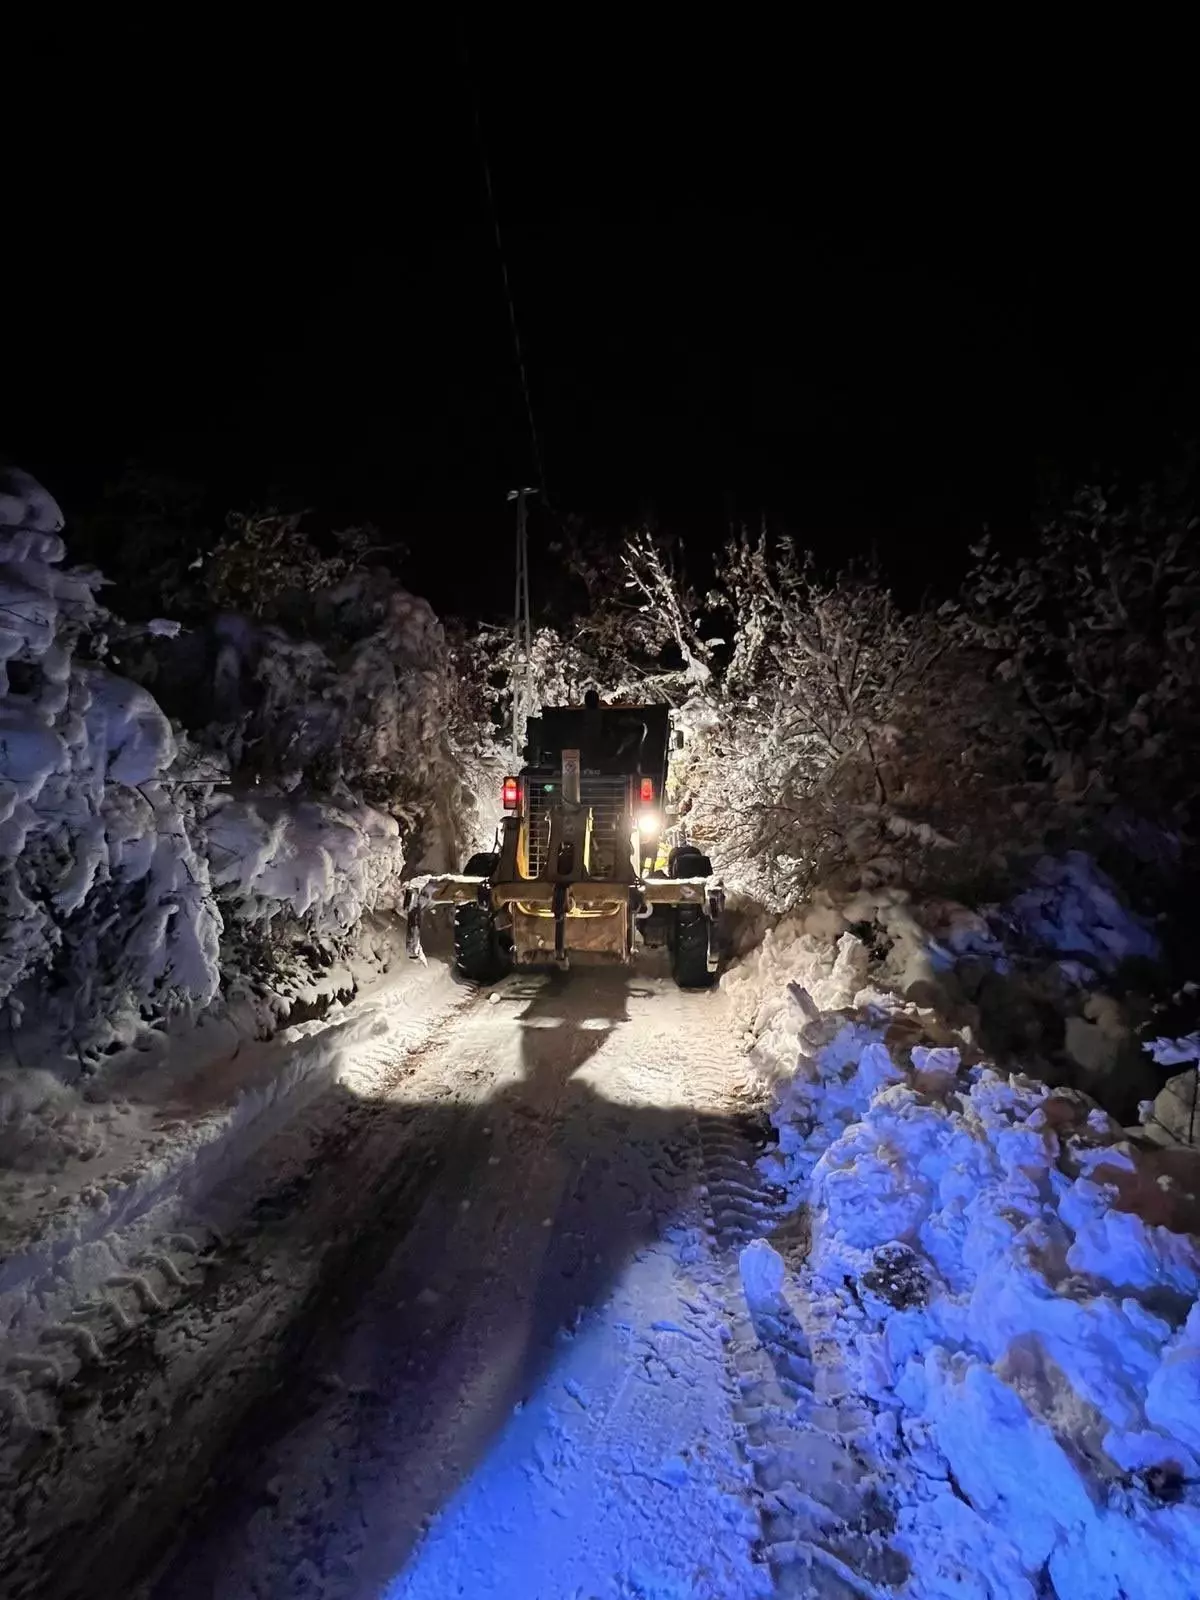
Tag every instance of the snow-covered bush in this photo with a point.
(271, 856)
(818, 703)
(561, 666)
(103, 888)
(830, 729)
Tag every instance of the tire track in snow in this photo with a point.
(404, 1346)
(190, 1326)
(576, 1174)
(627, 1444)
(378, 1287)
(822, 1503)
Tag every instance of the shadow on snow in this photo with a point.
(440, 1296)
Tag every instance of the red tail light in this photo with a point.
(511, 794)
(647, 791)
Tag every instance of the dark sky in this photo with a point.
(269, 264)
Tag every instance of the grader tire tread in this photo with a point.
(477, 950)
(689, 950)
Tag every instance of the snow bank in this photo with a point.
(1071, 912)
(1073, 907)
(795, 973)
(1015, 1280)
(1034, 983)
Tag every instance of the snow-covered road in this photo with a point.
(465, 1327)
(447, 1293)
(526, 1358)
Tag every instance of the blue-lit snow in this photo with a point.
(621, 1475)
(1034, 1351)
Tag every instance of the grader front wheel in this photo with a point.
(689, 949)
(480, 953)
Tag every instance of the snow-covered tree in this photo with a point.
(1054, 703)
(106, 895)
(139, 864)
(338, 735)
(1098, 633)
(823, 748)
(313, 673)
(148, 533)
(269, 565)
(628, 633)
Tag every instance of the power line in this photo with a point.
(521, 674)
(518, 348)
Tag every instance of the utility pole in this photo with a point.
(522, 658)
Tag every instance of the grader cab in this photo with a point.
(582, 874)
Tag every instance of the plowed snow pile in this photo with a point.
(1015, 1281)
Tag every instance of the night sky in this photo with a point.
(747, 287)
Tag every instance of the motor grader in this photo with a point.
(582, 873)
